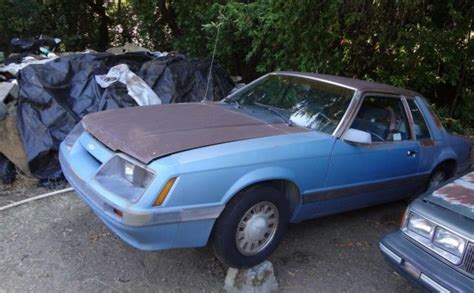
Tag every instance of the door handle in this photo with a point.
(411, 153)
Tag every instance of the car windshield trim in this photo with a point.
(317, 79)
(234, 94)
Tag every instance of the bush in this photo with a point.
(420, 45)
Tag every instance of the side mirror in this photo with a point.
(357, 136)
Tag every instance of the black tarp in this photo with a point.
(56, 95)
(7, 170)
(33, 45)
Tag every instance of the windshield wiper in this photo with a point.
(236, 103)
(233, 101)
(274, 110)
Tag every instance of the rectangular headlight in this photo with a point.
(443, 242)
(136, 175)
(124, 178)
(420, 226)
(449, 242)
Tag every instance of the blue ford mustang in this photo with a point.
(287, 147)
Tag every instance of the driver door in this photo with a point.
(365, 174)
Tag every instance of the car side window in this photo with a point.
(384, 118)
(421, 129)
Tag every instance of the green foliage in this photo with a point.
(413, 44)
(76, 22)
(421, 45)
(18, 18)
(194, 39)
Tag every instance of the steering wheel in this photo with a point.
(321, 121)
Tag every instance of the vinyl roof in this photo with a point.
(361, 85)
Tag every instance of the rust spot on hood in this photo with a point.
(460, 192)
(469, 178)
(457, 194)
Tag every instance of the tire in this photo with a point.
(257, 237)
(438, 177)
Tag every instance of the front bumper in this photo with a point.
(152, 229)
(420, 267)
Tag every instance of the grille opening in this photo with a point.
(468, 262)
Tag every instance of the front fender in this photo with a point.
(259, 175)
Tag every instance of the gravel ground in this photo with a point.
(57, 244)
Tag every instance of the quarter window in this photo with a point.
(421, 130)
(384, 118)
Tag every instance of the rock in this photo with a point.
(260, 278)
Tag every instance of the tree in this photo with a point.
(422, 45)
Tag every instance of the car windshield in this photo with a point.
(301, 101)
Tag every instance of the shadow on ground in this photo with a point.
(57, 244)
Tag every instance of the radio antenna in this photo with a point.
(212, 61)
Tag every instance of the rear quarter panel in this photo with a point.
(462, 147)
(445, 146)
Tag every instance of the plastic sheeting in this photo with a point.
(136, 87)
(7, 170)
(56, 95)
(13, 68)
(33, 45)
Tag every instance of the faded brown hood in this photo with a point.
(150, 132)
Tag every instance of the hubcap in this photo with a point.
(437, 180)
(257, 228)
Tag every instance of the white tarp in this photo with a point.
(13, 68)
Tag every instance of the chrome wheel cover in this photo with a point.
(257, 228)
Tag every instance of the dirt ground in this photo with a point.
(58, 245)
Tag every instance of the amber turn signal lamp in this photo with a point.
(164, 192)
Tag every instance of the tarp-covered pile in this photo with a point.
(55, 95)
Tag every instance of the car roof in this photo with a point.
(361, 85)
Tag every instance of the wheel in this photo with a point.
(438, 177)
(250, 227)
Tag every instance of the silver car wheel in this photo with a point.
(257, 228)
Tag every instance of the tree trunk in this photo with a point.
(99, 8)
(462, 77)
(168, 16)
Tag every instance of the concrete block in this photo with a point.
(260, 278)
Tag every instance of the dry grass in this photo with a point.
(22, 184)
